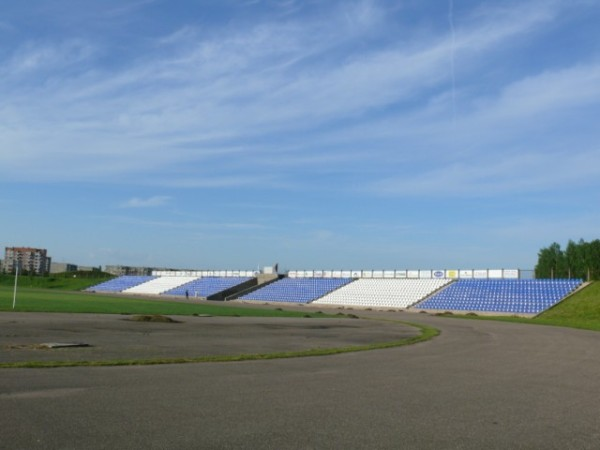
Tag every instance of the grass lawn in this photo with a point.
(45, 300)
(70, 281)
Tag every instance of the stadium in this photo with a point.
(482, 291)
(342, 373)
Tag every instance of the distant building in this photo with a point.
(132, 270)
(89, 269)
(33, 261)
(128, 270)
(57, 267)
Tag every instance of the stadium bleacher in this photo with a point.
(514, 296)
(296, 290)
(121, 284)
(391, 293)
(503, 296)
(206, 286)
(159, 285)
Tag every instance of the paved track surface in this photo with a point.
(114, 337)
(479, 385)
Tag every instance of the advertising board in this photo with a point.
(495, 273)
(510, 273)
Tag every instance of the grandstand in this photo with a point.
(413, 290)
(159, 285)
(389, 293)
(121, 284)
(296, 290)
(207, 286)
(501, 296)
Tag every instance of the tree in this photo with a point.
(551, 263)
(579, 260)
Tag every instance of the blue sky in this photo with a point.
(318, 134)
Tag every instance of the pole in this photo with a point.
(15, 292)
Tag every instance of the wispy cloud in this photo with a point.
(288, 95)
(150, 202)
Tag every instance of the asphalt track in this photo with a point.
(479, 385)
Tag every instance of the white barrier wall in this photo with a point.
(422, 274)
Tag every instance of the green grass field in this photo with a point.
(45, 300)
(71, 281)
(63, 293)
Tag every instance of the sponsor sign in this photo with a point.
(510, 273)
(337, 274)
(451, 274)
(292, 274)
(495, 273)
(327, 274)
(424, 273)
(318, 274)
(480, 273)
(401, 274)
(309, 273)
(346, 273)
(412, 274)
(389, 274)
(367, 274)
(378, 274)
(438, 274)
(465, 273)
(356, 274)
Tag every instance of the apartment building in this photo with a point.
(34, 261)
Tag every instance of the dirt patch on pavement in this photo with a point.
(110, 337)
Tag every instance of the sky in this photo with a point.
(317, 134)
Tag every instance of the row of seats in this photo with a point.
(392, 293)
(296, 290)
(121, 284)
(169, 285)
(506, 296)
(159, 285)
(206, 286)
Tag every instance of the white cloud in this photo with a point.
(237, 97)
(150, 202)
(34, 57)
(500, 174)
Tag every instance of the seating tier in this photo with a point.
(121, 283)
(505, 296)
(207, 286)
(392, 293)
(159, 285)
(296, 290)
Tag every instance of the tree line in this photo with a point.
(579, 260)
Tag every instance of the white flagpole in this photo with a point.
(15, 293)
